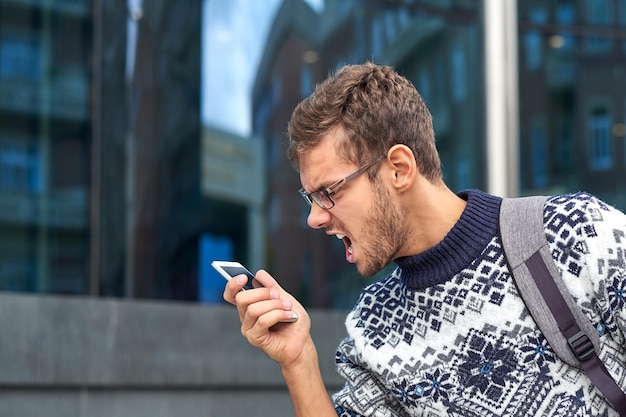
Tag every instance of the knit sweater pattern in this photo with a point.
(447, 333)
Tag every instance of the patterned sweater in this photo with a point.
(447, 334)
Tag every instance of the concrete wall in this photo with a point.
(75, 356)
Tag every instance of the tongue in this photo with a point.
(349, 255)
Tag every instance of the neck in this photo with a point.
(432, 210)
(466, 240)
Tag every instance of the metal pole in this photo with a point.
(501, 84)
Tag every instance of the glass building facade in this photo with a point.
(45, 146)
(141, 140)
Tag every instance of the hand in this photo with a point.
(263, 313)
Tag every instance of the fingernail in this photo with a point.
(274, 294)
(287, 304)
(291, 316)
(242, 279)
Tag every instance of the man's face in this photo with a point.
(364, 216)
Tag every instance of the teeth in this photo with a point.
(350, 249)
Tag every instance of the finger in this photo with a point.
(233, 287)
(259, 332)
(259, 308)
(266, 287)
(261, 304)
(257, 314)
(245, 299)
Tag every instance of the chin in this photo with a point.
(374, 264)
(367, 271)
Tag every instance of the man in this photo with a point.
(446, 333)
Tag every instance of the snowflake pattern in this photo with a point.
(436, 385)
(535, 349)
(617, 293)
(487, 365)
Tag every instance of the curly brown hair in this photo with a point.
(375, 108)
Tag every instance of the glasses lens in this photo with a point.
(322, 199)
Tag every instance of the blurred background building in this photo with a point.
(113, 182)
(141, 140)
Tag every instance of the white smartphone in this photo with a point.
(230, 269)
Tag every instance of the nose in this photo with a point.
(318, 217)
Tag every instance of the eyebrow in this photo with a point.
(324, 185)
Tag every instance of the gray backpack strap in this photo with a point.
(569, 333)
(522, 233)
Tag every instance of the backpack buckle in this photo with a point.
(581, 346)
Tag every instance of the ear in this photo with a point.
(403, 167)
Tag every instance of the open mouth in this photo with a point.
(348, 244)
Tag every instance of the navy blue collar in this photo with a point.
(464, 243)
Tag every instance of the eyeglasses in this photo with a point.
(322, 197)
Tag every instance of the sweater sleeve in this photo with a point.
(606, 234)
(362, 394)
(588, 239)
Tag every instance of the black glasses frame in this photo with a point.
(323, 197)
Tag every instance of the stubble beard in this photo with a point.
(385, 231)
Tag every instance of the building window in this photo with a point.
(565, 14)
(622, 19)
(19, 59)
(533, 40)
(599, 134)
(19, 169)
(598, 14)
